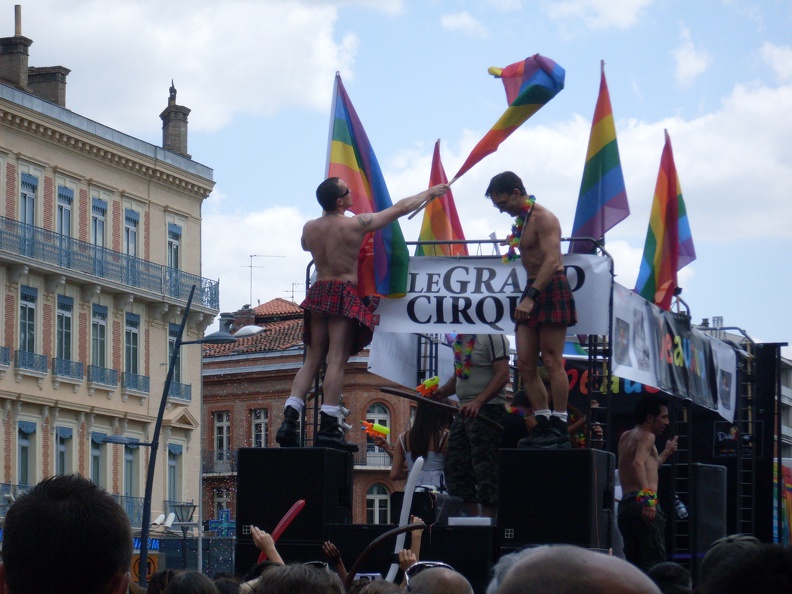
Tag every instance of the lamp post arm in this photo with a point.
(146, 516)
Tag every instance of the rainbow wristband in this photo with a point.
(647, 497)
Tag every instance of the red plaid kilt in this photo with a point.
(555, 304)
(338, 298)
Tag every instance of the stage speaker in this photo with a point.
(556, 496)
(706, 505)
(271, 480)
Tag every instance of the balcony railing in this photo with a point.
(102, 376)
(5, 356)
(372, 457)
(135, 383)
(133, 506)
(63, 368)
(13, 491)
(181, 392)
(218, 461)
(31, 362)
(69, 253)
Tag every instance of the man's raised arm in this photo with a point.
(377, 220)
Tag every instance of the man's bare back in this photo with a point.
(638, 461)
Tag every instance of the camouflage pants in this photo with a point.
(471, 465)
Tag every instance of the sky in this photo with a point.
(258, 77)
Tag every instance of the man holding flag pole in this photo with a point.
(337, 324)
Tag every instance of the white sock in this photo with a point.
(329, 409)
(297, 404)
(561, 415)
(545, 412)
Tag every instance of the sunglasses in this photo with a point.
(417, 568)
(344, 194)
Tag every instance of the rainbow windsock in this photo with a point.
(669, 244)
(602, 202)
(529, 85)
(440, 219)
(383, 258)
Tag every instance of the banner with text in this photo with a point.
(659, 348)
(478, 295)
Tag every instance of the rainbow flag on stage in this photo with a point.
(602, 202)
(669, 244)
(529, 85)
(383, 258)
(440, 220)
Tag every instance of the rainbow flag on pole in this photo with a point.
(602, 202)
(529, 85)
(383, 258)
(669, 244)
(440, 219)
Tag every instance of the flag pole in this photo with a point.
(425, 204)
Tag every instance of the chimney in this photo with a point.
(174, 125)
(49, 83)
(14, 54)
(226, 321)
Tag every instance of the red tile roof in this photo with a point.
(278, 336)
(278, 307)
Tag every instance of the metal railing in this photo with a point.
(66, 252)
(178, 391)
(31, 361)
(372, 459)
(133, 506)
(134, 382)
(9, 492)
(5, 356)
(219, 461)
(103, 376)
(66, 368)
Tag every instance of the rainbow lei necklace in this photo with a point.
(463, 355)
(513, 239)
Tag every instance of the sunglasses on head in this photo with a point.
(417, 568)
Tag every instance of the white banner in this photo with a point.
(659, 348)
(477, 295)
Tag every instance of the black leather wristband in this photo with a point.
(533, 293)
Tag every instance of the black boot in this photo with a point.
(288, 435)
(331, 434)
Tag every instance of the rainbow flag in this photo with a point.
(602, 202)
(669, 244)
(529, 85)
(383, 257)
(440, 219)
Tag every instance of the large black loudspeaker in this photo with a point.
(706, 506)
(271, 480)
(556, 496)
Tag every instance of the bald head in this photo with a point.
(562, 569)
(439, 580)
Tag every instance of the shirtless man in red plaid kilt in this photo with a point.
(546, 310)
(337, 324)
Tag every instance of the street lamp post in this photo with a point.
(184, 514)
(215, 338)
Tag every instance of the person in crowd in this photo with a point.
(722, 553)
(380, 587)
(160, 579)
(299, 579)
(427, 438)
(671, 578)
(556, 569)
(481, 373)
(516, 423)
(264, 542)
(227, 583)
(86, 532)
(337, 323)
(436, 578)
(545, 310)
(641, 521)
(191, 582)
(757, 568)
(334, 556)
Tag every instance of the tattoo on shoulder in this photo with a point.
(365, 219)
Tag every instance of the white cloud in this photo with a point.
(506, 5)
(691, 60)
(463, 21)
(779, 58)
(598, 14)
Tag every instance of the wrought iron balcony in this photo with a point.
(133, 506)
(5, 356)
(135, 383)
(372, 457)
(63, 368)
(31, 362)
(181, 392)
(102, 376)
(68, 253)
(218, 461)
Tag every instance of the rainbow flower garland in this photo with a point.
(463, 355)
(647, 497)
(513, 239)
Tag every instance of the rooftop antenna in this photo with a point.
(294, 284)
(252, 267)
